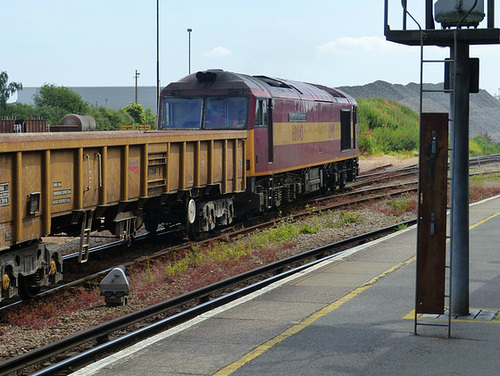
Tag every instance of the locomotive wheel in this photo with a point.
(27, 289)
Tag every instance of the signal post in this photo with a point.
(461, 26)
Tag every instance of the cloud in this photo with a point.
(218, 52)
(349, 46)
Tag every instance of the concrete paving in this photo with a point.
(349, 316)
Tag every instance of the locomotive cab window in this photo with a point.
(345, 129)
(226, 112)
(181, 113)
(204, 113)
(354, 122)
(261, 114)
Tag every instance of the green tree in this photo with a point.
(6, 90)
(61, 98)
(150, 118)
(137, 112)
(107, 119)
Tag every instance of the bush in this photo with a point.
(482, 144)
(387, 127)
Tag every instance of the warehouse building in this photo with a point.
(111, 97)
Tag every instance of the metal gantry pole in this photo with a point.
(157, 54)
(460, 183)
(189, 50)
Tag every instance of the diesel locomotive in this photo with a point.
(227, 144)
(300, 137)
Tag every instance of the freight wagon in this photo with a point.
(80, 182)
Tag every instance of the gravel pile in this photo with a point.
(484, 108)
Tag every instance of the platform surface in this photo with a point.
(349, 316)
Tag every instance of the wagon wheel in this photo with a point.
(7, 287)
(151, 223)
(191, 220)
(27, 288)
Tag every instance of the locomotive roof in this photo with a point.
(217, 80)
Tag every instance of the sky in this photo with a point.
(328, 42)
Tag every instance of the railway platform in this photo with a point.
(349, 316)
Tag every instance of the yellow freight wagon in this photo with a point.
(79, 182)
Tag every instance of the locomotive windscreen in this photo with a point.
(204, 113)
(226, 112)
(181, 113)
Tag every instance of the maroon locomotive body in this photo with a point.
(301, 137)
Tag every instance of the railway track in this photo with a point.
(332, 202)
(374, 176)
(318, 205)
(109, 337)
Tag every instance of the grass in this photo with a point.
(387, 127)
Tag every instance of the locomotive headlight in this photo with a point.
(458, 13)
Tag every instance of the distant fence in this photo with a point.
(145, 127)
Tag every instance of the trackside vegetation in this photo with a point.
(390, 128)
(387, 127)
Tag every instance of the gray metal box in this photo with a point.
(450, 12)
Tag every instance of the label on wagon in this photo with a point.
(4, 194)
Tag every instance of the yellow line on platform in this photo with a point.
(483, 221)
(258, 351)
(255, 353)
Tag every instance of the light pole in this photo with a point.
(136, 76)
(157, 53)
(189, 50)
